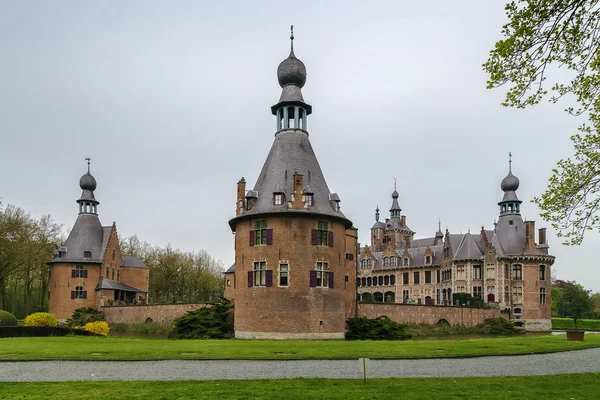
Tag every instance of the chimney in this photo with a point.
(403, 220)
(298, 189)
(484, 237)
(241, 192)
(530, 246)
(407, 241)
(542, 236)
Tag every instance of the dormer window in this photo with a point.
(393, 261)
(309, 200)
(405, 262)
(427, 260)
(87, 253)
(386, 261)
(278, 199)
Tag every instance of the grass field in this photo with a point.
(567, 323)
(100, 348)
(576, 386)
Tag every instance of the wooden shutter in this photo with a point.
(314, 239)
(313, 278)
(331, 280)
(73, 273)
(72, 294)
(330, 239)
(252, 238)
(85, 294)
(250, 278)
(269, 237)
(85, 273)
(269, 278)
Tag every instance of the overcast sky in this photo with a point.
(171, 101)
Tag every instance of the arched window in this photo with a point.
(378, 297)
(386, 280)
(358, 282)
(381, 281)
(386, 261)
(393, 280)
(369, 281)
(364, 282)
(374, 281)
(393, 261)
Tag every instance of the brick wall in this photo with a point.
(62, 283)
(407, 313)
(162, 314)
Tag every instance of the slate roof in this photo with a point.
(468, 249)
(115, 285)
(511, 237)
(132, 262)
(86, 233)
(291, 151)
(231, 269)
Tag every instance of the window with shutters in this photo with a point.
(284, 275)
(79, 271)
(260, 233)
(322, 274)
(79, 292)
(260, 273)
(427, 276)
(322, 233)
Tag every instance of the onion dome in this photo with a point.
(291, 71)
(87, 182)
(509, 183)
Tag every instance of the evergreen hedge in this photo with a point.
(212, 322)
(37, 331)
(380, 328)
(7, 319)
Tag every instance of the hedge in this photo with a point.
(40, 331)
(7, 319)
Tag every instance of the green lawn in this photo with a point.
(98, 348)
(575, 386)
(567, 323)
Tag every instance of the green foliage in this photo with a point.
(7, 319)
(212, 322)
(41, 319)
(556, 296)
(539, 35)
(575, 301)
(466, 299)
(84, 315)
(119, 327)
(380, 328)
(499, 326)
(567, 323)
(41, 331)
(176, 276)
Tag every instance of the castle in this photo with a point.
(296, 272)
(89, 269)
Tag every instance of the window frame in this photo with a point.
(322, 233)
(416, 277)
(322, 268)
(260, 232)
(542, 295)
(477, 272)
(430, 280)
(79, 289)
(282, 272)
(260, 273)
(516, 272)
(542, 272)
(79, 271)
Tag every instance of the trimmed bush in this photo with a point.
(97, 327)
(7, 319)
(83, 315)
(499, 326)
(41, 331)
(380, 328)
(213, 322)
(41, 319)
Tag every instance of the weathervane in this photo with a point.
(394, 183)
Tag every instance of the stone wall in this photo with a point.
(417, 314)
(162, 314)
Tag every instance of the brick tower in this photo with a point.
(295, 250)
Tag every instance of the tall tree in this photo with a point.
(540, 35)
(575, 301)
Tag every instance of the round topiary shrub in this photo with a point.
(7, 319)
(98, 327)
(41, 319)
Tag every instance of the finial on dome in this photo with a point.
(509, 162)
(394, 183)
(88, 162)
(292, 38)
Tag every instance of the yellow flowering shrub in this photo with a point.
(98, 327)
(41, 319)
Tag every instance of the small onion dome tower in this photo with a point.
(510, 203)
(291, 110)
(395, 210)
(87, 202)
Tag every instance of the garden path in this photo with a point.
(580, 361)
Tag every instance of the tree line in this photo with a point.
(27, 244)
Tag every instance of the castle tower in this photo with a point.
(295, 251)
(88, 269)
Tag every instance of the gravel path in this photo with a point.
(540, 364)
